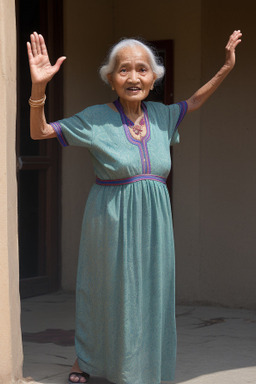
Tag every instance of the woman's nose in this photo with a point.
(133, 76)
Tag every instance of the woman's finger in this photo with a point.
(236, 43)
(58, 63)
(236, 36)
(33, 45)
(43, 45)
(234, 40)
(38, 46)
(30, 54)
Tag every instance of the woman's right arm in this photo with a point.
(41, 72)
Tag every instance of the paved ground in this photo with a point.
(215, 345)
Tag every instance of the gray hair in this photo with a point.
(156, 66)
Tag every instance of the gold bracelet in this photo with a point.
(37, 103)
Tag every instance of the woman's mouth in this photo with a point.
(133, 89)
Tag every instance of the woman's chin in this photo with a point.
(133, 96)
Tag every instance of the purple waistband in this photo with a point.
(132, 179)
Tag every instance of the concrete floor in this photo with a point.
(215, 345)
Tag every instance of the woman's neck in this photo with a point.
(132, 109)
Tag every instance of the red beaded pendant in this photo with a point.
(137, 129)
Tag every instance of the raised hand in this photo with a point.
(203, 93)
(230, 48)
(40, 67)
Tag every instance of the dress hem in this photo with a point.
(94, 372)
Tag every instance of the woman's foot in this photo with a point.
(77, 376)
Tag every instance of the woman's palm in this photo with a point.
(40, 67)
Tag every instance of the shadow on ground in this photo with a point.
(215, 345)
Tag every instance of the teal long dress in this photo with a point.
(125, 302)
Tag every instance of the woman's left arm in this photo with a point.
(200, 96)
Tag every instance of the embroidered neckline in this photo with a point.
(141, 144)
(126, 121)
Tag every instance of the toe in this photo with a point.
(74, 379)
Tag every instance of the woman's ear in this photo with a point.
(109, 76)
(155, 77)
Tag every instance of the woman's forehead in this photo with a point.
(133, 53)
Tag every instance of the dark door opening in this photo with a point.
(163, 91)
(38, 162)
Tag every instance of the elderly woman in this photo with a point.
(125, 314)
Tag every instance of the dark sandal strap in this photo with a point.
(79, 374)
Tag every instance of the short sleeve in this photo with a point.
(75, 130)
(177, 114)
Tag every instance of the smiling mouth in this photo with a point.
(133, 89)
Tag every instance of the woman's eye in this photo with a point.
(123, 70)
(143, 70)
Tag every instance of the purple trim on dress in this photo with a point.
(57, 128)
(130, 180)
(141, 144)
(183, 110)
(146, 138)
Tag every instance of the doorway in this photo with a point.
(38, 162)
(163, 90)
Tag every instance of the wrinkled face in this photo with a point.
(132, 77)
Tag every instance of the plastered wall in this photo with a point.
(228, 162)
(213, 179)
(11, 355)
(217, 266)
(88, 33)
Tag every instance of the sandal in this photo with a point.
(79, 375)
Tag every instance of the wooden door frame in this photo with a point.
(50, 159)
